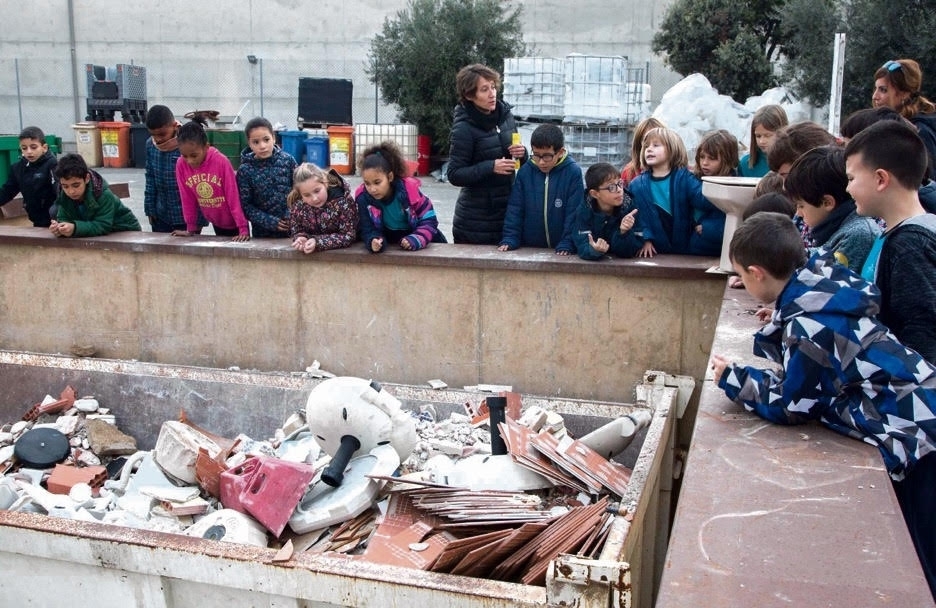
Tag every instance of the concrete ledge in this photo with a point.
(773, 515)
(548, 325)
(443, 255)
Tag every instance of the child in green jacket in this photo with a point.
(86, 206)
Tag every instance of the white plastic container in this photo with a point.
(367, 135)
(535, 87)
(595, 89)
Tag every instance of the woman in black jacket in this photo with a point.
(897, 86)
(482, 156)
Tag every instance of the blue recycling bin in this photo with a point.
(316, 148)
(294, 143)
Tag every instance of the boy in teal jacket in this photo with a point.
(86, 206)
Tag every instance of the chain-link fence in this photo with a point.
(42, 92)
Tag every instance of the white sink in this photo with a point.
(732, 195)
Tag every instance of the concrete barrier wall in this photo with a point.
(545, 324)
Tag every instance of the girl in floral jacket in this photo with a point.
(322, 213)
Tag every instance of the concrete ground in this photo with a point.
(442, 194)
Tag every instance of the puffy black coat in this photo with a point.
(477, 141)
(36, 182)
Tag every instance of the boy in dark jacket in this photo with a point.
(547, 192)
(86, 206)
(604, 223)
(885, 164)
(32, 176)
(817, 186)
(839, 365)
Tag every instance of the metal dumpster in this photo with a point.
(44, 558)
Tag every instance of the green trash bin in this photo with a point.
(9, 154)
(228, 142)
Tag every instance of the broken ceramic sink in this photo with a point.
(732, 195)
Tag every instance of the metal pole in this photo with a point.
(838, 73)
(19, 96)
(74, 57)
(261, 86)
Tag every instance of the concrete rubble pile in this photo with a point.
(496, 492)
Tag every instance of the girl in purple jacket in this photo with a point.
(391, 207)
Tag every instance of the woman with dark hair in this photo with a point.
(897, 85)
(482, 157)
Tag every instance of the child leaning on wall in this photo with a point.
(207, 183)
(86, 205)
(264, 180)
(817, 186)
(604, 223)
(33, 176)
(391, 207)
(885, 164)
(545, 195)
(161, 202)
(840, 365)
(674, 216)
(322, 212)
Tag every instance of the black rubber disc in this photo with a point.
(41, 448)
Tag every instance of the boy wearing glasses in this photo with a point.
(546, 193)
(604, 225)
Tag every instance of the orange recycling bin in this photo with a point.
(115, 144)
(340, 149)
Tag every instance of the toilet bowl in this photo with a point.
(732, 195)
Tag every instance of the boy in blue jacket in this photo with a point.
(545, 195)
(839, 365)
(604, 223)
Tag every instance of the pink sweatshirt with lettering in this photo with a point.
(212, 187)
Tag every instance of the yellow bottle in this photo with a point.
(514, 141)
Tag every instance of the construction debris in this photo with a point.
(330, 480)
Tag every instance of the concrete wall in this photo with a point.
(547, 325)
(195, 54)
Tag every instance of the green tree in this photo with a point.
(809, 28)
(733, 44)
(415, 57)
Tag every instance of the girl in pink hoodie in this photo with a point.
(207, 182)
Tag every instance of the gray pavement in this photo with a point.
(443, 194)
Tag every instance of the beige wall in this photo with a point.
(546, 325)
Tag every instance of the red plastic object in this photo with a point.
(268, 489)
(423, 153)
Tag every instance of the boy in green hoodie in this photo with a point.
(86, 206)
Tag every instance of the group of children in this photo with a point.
(190, 184)
(853, 286)
(853, 319)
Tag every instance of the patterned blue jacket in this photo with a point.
(840, 366)
(263, 185)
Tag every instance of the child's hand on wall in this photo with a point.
(719, 364)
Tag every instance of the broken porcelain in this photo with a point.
(350, 416)
(229, 526)
(86, 404)
(324, 505)
(614, 437)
